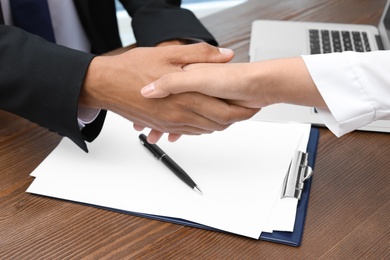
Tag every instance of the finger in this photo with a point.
(138, 127)
(173, 137)
(188, 123)
(217, 111)
(207, 113)
(230, 113)
(201, 52)
(154, 136)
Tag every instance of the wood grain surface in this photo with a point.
(349, 203)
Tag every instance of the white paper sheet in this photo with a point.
(282, 217)
(240, 171)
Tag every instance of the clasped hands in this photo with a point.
(114, 83)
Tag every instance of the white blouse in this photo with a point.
(355, 87)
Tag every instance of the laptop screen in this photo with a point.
(384, 27)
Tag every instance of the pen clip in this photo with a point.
(148, 150)
(154, 150)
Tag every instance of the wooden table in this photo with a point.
(349, 204)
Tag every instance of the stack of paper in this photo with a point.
(240, 172)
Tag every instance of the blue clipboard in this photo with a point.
(288, 238)
(295, 238)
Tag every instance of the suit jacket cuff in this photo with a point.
(154, 26)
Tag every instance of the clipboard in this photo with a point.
(67, 184)
(288, 238)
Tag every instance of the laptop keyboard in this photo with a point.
(327, 41)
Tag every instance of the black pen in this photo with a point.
(165, 159)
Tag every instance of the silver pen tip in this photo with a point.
(196, 188)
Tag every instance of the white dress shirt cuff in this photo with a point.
(343, 85)
(86, 116)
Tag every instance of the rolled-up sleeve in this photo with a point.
(355, 87)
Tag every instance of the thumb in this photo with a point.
(150, 91)
(173, 83)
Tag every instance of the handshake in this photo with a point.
(192, 89)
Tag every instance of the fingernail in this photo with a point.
(148, 89)
(225, 51)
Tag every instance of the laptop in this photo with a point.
(279, 39)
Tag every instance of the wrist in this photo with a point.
(288, 81)
(264, 81)
(91, 90)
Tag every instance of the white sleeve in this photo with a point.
(355, 87)
(86, 115)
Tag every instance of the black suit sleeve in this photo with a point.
(41, 81)
(155, 21)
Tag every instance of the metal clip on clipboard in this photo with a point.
(298, 172)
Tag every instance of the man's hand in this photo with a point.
(114, 83)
